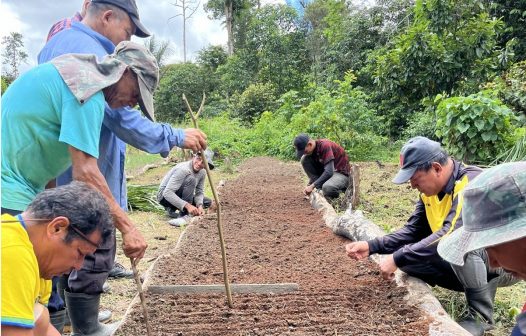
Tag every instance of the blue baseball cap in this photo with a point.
(416, 151)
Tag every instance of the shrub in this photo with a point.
(475, 128)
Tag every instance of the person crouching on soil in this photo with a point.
(181, 191)
(494, 219)
(325, 163)
(440, 180)
(51, 237)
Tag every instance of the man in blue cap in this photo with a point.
(413, 248)
(494, 219)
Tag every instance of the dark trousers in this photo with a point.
(333, 186)
(167, 205)
(435, 272)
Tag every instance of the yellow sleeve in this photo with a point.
(19, 286)
(45, 291)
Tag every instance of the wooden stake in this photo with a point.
(141, 295)
(216, 198)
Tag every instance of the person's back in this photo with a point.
(27, 139)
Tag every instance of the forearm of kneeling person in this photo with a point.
(328, 171)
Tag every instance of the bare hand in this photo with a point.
(200, 210)
(133, 244)
(388, 267)
(194, 139)
(192, 210)
(357, 250)
(308, 189)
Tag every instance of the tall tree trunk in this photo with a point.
(184, 31)
(229, 19)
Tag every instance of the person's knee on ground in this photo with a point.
(330, 191)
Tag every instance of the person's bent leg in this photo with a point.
(435, 273)
(480, 286)
(85, 288)
(336, 184)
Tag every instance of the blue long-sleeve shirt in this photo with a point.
(120, 126)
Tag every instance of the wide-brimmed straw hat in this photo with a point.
(494, 212)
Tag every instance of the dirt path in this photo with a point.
(274, 236)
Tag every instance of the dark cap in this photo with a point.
(130, 7)
(415, 152)
(300, 142)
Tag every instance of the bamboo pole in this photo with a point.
(216, 198)
(141, 295)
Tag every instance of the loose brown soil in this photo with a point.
(273, 236)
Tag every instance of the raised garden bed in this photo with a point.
(273, 235)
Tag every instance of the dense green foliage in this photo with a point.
(363, 75)
(475, 128)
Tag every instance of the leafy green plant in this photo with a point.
(143, 198)
(475, 128)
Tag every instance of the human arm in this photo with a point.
(175, 182)
(16, 331)
(426, 247)
(84, 168)
(42, 323)
(134, 129)
(328, 171)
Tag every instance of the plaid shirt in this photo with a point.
(63, 24)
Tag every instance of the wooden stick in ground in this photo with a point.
(216, 198)
(141, 295)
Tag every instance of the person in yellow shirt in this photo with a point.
(58, 229)
(440, 179)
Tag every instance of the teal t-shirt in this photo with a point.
(40, 119)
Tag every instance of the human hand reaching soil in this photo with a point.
(357, 250)
(388, 267)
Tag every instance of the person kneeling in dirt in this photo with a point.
(51, 237)
(181, 191)
(325, 163)
(440, 180)
(494, 219)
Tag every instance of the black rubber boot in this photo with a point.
(83, 312)
(58, 319)
(480, 308)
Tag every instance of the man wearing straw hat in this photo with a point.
(495, 220)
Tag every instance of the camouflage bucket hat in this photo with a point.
(144, 65)
(494, 212)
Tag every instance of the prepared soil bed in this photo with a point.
(273, 236)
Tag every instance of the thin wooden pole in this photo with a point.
(216, 198)
(141, 295)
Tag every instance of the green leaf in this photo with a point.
(462, 128)
(480, 124)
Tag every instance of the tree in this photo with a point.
(188, 9)
(14, 54)
(212, 57)
(187, 78)
(231, 11)
(451, 48)
(161, 50)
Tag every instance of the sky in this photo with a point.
(33, 18)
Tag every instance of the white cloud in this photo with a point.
(33, 18)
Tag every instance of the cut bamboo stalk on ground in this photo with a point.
(216, 198)
(236, 288)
